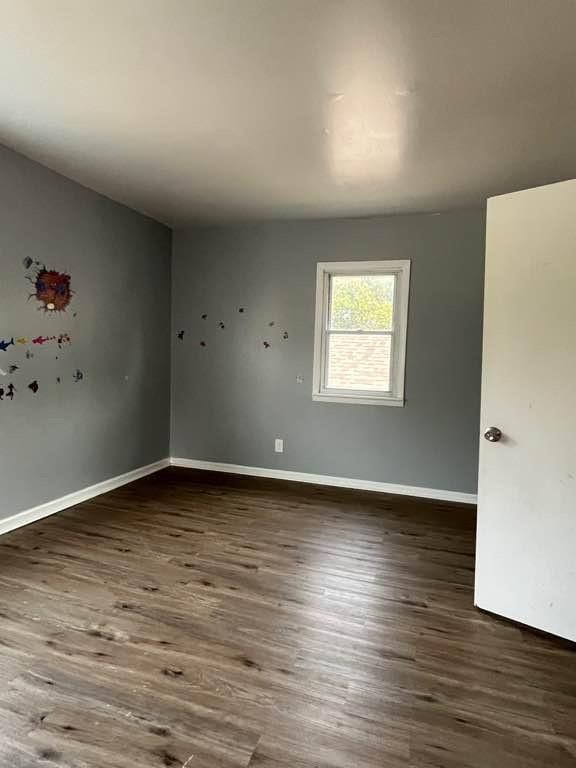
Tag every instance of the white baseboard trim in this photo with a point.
(339, 482)
(51, 507)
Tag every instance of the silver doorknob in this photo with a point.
(493, 434)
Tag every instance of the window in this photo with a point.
(360, 334)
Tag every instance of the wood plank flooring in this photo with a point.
(203, 621)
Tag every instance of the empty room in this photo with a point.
(287, 374)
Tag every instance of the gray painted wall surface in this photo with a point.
(233, 397)
(72, 435)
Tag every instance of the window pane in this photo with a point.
(358, 361)
(361, 302)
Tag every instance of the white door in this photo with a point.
(526, 546)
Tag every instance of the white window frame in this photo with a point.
(325, 270)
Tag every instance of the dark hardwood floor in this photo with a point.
(209, 621)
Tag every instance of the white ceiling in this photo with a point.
(209, 110)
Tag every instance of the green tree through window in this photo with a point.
(362, 302)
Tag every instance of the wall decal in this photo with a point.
(77, 375)
(27, 262)
(8, 392)
(13, 368)
(4, 344)
(58, 379)
(3, 373)
(33, 386)
(242, 310)
(52, 289)
(29, 355)
(61, 339)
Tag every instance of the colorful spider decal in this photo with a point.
(52, 289)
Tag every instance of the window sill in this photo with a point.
(322, 397)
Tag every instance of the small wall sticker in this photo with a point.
(33, 386)
(180, 335)
(8, 392)
(77, 375)
(5, 343)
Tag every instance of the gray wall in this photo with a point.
(233, 397)
(73, 434)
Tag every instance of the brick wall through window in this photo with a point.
(359, 362)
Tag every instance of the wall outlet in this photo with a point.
(279, 445)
